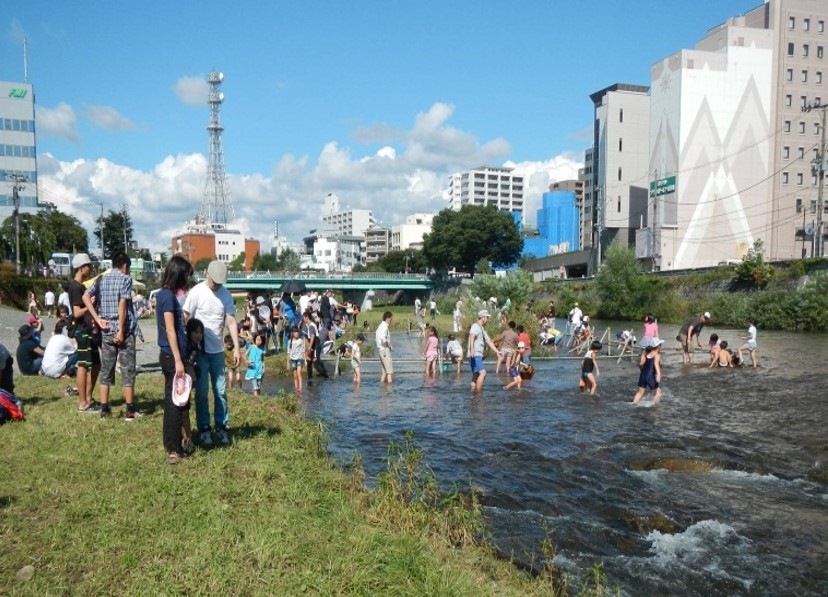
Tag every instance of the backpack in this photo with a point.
(11, 409)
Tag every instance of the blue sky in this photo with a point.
(374, 101)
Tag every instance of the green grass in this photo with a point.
(92, 505)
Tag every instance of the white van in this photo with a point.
(62, 264)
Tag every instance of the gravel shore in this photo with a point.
(11, 319)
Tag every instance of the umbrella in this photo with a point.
(292, 287)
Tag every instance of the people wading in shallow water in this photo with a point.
(478, 340)
(589, 369)
(650, 376)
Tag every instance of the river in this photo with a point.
(720, 489)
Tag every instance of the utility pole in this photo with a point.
(17, 186)
(600, 225)
(818, 168)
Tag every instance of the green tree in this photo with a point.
(41, 234)
(462, 238)
(288, 261)
(410, 261)
(619, 284)
(202, 264)
(237, 265)
(753, 269)
(265, 262)
(117, 233)
(70, 235)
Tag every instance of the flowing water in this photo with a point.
(720, 489)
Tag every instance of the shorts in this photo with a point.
(88, 353)
(513, 372)
(255, 383)
(355, 366)
(476, 364)
(750, 345)
(585, 374)
(125, 353)
(683, 340)
(507, 352)
(296, 364)
(385, 361)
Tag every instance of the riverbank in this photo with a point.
(91, 505)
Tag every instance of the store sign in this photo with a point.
(663, 186)
(17, 93)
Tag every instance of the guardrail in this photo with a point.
(326, 276)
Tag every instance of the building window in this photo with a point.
(788, 100)
(818, 77)
(791, 22)
(820, 26)
(816, 128)
(619, 172)
(799, 179)
(803, 100)
(799, 205)
(801, 128)
(806, 24)
(786, 152)
(787, 126)
(789, 74)
(804, 50)
(784, 178)
(819, 52)
(620, 145)
(791, 48)
(813, 206)
(619, 203)
(804, 76)
(621, 115)
(801, 153)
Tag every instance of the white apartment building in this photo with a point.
(731, 148)
(351, 222)
(377, 243)
(618, 164)
(410, 235)
(18, 153)
(338, 254)
(486, 185)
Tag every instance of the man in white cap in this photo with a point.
(211, 303)
(687, 332)
(575, 317)
(89, 356)
(478, 340)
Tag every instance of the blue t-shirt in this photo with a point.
(166, 302)
(255, 362)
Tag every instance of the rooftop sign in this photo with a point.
(17, 93)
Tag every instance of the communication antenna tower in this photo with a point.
(217, 207)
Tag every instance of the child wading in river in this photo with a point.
(589, 369)
(355, 350)
(296, 357)
(650, 376)
(431, 351)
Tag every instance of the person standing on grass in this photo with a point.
(255, 363)
(89, 356)
(63, 297)
(212, 303)
(478, 340)
(115, 315)
(384, 349)
(173, 350)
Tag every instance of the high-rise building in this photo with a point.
(486, 185)
(618, 164)
(558, 222)
(731, 148)
(377, 243)
(18, 149)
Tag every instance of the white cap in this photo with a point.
(181, 390)
(521, 345)
(707, 314)
(217, 270)
(80, 260)
(259, 300)
(483, 313)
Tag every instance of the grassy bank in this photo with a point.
(92, 506)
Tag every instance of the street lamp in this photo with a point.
(17, 186)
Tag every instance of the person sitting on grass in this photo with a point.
(60, 357)
(29, 352)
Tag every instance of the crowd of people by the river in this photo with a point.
(203, 346)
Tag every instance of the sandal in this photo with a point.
(175, 457)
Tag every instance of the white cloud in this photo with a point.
(394, 181)
(60, 121)
(108, 118)
(538, 176)
(192, 91)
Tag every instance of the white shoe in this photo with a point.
(206, 439)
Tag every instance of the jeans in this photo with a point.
(211, 371)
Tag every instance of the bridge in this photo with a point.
(349, 282)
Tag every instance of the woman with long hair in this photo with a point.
(173, 349)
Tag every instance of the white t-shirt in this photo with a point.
(63, 299)
(383, 335)
(576, 314)
(58, 350)
(304, 301)
(211, 308)
(50, 298)
(752, 334)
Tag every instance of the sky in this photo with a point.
(375, 101)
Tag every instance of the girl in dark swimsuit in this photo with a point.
(589, 369)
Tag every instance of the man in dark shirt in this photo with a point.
(689, 330)
(29, 352)
(89, 358)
